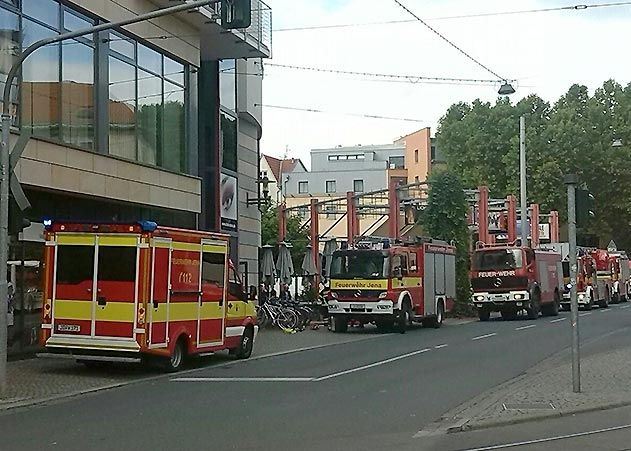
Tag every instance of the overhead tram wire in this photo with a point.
(580, 7)
(314, 110)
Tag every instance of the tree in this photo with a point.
(296, 235)
(444, 218)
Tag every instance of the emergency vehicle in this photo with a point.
(604, 275)
(392, 283)
(507, 278)
(619, 264)
(141, 292)
(587, 285)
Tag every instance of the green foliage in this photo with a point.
(444, 218)
(480, 142)
(299, 238)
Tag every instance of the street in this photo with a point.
(372, 394)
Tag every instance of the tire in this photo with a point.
(533, 309)
(553, 308)
(287, 319)
(615, 299)
(604, 303)
(509, 314)
(404, 318)
(484, 314)
(339, 324)
(174, 363)
(244, 351)
(262, 318)
(437, 321)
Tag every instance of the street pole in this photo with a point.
(4, 153)
(522, 181)
(571, 181)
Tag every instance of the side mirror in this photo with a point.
(398, 272)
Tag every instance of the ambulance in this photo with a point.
(142, 293)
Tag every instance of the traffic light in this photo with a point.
(236, 14)
(584, 207)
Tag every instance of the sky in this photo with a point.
(545, 52)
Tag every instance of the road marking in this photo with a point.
(440, 346)
(551, 439)
(483, 336)
(625, 306)
(526, 327)
(558, 320)
(372, 365)
(585, 314)
(242, 379)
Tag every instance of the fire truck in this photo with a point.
(619, 264)
(506, 278)
(392, 283)
(141, 292)
(588, 289)
(604, 276)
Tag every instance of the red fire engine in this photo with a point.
(132, 292)
(392, 283)
(619, 263)
(587, 285)
(508, 279)
(604, 278)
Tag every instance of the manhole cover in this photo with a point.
(530, 406)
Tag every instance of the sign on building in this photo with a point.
(229, 203)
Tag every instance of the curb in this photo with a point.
(476, 426)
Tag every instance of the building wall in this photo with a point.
(420, 142)
(274, 186)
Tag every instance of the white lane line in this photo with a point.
(242, 379)
(372, 365)
(551, 439)
(440, 346)
(483, 336)
(557, 320)
(526, 327)
(585, 314)
(625, 306)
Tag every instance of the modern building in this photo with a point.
(149, 122)
(277, 171)
(360, 169)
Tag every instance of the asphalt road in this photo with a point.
(372, 394)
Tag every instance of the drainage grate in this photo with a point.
(530, 406)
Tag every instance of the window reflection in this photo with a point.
(73, 22)
(122, 109)
(228, 84)
(77, 94)
(149, 116)
(9, 49)
(46, 11)
(174, 144)
(229, 141)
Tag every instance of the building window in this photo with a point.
(228, 84)
(358, 186)
(229, 141)
(416, 179)
(415, 155)
(263, 174)
(122, 109)
(433, 153)
(330, 186)
(396, 162)
(303, 187)
(330, 211)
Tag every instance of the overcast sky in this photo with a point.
(546, 52)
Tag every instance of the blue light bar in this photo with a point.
(148, 226)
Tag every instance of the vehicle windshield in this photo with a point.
(497, 260)
(359, 265)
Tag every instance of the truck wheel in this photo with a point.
(484, 314)
(509, 314)
(339, 323)
(533, 308)
(244, 351)
(553, 308)
(437, 321)
(174, 363)
(404, 318)
(604, 303)
(615, 299)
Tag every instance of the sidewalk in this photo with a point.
(545, 391)
(35, 381)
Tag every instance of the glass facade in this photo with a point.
(139, 101)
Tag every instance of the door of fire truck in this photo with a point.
(160, 293)
(95, 289)
(212, 305)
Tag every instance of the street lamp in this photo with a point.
(262, 201)
(506, 89)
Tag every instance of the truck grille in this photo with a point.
(358, 294)
(499, 283)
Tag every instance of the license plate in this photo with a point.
(358, 306)
(68, 328)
